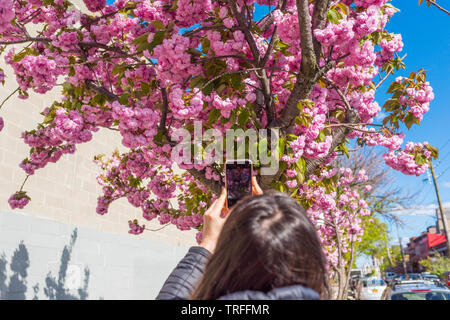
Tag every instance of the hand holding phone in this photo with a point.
(256, 189)
(213, 223)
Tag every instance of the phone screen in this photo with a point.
(239, 181)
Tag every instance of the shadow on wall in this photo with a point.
(55, 288)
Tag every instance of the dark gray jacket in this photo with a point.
(186, 275)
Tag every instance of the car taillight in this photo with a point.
(419, 290)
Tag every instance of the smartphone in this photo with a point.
(238, 174)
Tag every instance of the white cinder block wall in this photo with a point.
(45, 259)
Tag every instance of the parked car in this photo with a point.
(389, 276)
(371, 288)
(431, 277)
(413, 276)
(445, 278)
(356, 273)
(416, 290)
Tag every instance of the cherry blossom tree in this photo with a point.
(308, 69)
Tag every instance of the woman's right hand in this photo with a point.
(213, 222)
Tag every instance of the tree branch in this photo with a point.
(162, 123)
(319, 21)
(339, 136)
(308, 66)
(102, 90)
(28, 39)
(248, 35)
(439, 7)
(214, 186)
(387, 75)
(7, 98)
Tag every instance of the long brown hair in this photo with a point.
(267, 242)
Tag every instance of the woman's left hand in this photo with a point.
(213, 222)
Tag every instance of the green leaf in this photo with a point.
(321, 136)
(420, 159)
(124, 99)
(18, 57)
(208, 89)
(214, 114)
(196, 82)
(158, 38)
(300, 177)
(145, 87)
(223, 121)
(78, 91)
(221, 88)
(236, 81)
(434, 151)
(343, 147)
(410, 120)
(119, 69)
(205, 45)
(281, 146)
(333, 16)
(340, 115)
(141, 41)
(344, 8)
(158, 24)
(300, 165)
(243, 117)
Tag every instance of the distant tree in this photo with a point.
(436, 264)
(373, 241)
(391, 258)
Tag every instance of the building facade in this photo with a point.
(421, 247)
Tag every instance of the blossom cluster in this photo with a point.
(18, 200)
(406, 161)
(6, 14)
(388, 49)
(95, 5)
(138, 125)
(179, 106)
(135, 228)
(191, 12)
(37, 72)
(174, 63)
(417, 98)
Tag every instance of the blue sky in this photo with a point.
(427, 45)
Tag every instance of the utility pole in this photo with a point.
(401, 247)
(388, 252)
(441, 209)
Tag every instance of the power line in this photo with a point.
(444, 144)
(442, 159)
(442, 173)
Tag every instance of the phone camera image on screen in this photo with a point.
(239, 183)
